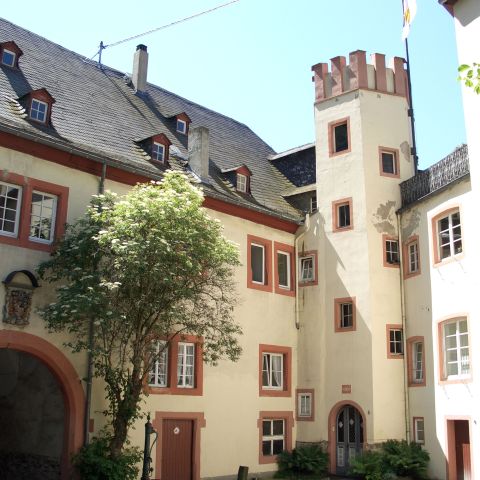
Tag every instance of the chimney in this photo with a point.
(199, 151)
(140, 67)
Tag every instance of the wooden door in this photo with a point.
(349, 437)
(177, 449)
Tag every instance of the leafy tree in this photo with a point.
(470, 76)
(149, 265)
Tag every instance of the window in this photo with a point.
(391, 254)
(339, 137)
(342, 215)
(10, 202)
(416, 362)
(158, 152)
(455, 349)
(305, 404)
(274, 371)
(185, 365)
(178, 367)
(8, 58)
(32, 212)
(411, 256)
(259, 262)
(42, 219)
(419, 430)
(284, 278)
(394, 341)
(158, 376)
(389, 162)
(275, 435)
(308, 268)
(242, 183)
(345, 314)
(181, 126)
(313, 203)
(448, 232)
(38, 110)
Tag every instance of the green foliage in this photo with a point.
(151, 264)
(470, 76)
(406, 459)
(395, 458)
(94, 462)
(304, 460)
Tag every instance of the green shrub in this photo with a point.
(406, 459)
(307, 460)
(369, 465)
(93, 462)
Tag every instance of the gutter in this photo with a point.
(297, 299)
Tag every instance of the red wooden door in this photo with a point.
(177, 449)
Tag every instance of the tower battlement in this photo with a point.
(360, 74)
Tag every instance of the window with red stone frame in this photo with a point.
(259, 263)
(284, 267)
(274, 371)
(24, 198)
(275, 434)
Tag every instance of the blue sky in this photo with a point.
(251, 60)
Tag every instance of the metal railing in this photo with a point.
(439, 175)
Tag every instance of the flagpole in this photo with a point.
(410, 110)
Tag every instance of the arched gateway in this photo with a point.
(346, 435)
(56, 385)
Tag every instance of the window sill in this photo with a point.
(447, 260)
(455, 381)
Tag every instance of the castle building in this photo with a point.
(357, 282)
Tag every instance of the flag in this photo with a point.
(409, 12)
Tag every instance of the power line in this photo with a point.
(176, 22)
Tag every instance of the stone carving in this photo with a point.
(18, 297)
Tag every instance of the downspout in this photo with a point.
(406, 390)
(297, 296)
(88, 395)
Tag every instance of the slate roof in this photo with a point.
(97, 112)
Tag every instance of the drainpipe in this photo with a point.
(406, 390)
(297, 299)
(88, 395)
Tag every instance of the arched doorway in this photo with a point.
(346, 435)
(57, 391)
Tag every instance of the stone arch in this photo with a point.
(332, 440)
(69, 383)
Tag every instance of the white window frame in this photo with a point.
(313, 203)
(395, 343)
(242, 182)
(449, 232)
(303, 273)
(418, 362)
(390, 251)
(156, 154)
(394, 159)
(342, 317)
(182, 364)
(52, 220)
(339, 217)
(304, 404)
(35, 108)
(334, 136)
(161, 352)
(289, 273)
(269, 371)
(262, 282)
(17, 212)
(458, 348)
(14, 57)
(413, 257)
(271, 438)
(181, 126)
(419, 438)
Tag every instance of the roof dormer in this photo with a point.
(159, 148)
(240, 178)
(183, 122)
(10, 52)
(39, 104)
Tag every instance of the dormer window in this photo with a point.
(242, 183)
(158, 152)
(183, 122)
(38, 110)
(8, 58)
(9, 54)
